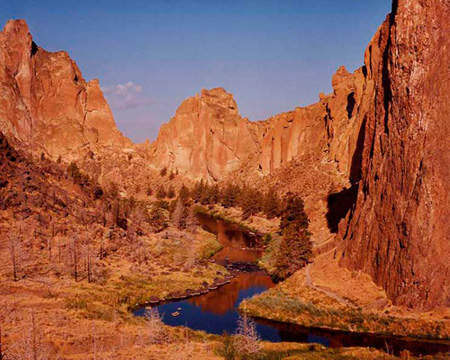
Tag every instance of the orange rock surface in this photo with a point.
(46, 104)
(399, 232)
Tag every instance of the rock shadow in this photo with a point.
(340, 203)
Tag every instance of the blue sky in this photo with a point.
(151, 55)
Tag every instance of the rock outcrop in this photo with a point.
(399, 231)
(377, 147)
(46, 104)
(208, 138)
(323, 132)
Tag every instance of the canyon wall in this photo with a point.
(207, 138)
(381, 135)
(384, 128)
(399, 231)
(46, 104)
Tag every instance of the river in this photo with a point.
(217, 311)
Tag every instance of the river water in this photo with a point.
(217, 311)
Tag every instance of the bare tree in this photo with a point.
(247, 340)
(156, 331)
(50, 239)
(88, 260)
(191, 253)
(30, 346)
(6, 314)
(74, 253)
(191, 221)
(15, 244)
(88, 253)
(179, 215)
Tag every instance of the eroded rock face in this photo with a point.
(323, 132)
(208, 138)
(46, 104)
(384, 128)
(399, 232)
(383, 134)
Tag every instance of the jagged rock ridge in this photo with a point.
(46, 104)
(385, 129)
(208, 138)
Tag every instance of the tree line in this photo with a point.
(295, 247)
(250, 200)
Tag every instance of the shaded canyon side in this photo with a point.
(399, 230)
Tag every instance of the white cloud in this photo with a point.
(125, 96)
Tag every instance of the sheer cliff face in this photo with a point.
(326, 131)
(399, 231)
(46, 104)
(208, 138)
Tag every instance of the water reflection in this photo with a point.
(227, 298)
(216, 311)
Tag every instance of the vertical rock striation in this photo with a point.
(399, 231)
(206, 138)
(384, 131)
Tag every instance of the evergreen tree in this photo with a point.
(210, 195)
(296, 247)
(251, 202)
(294, 252)
(161, 192)
(171, 192)
(271, 204)
(230, 195)
(77, 176)
(191, 221)
(158, 219)
(184, 194)
(294, 214)
(179, 215)
(198, 191)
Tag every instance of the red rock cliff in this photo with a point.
(399, 231)
(208, 138)
(46, 104)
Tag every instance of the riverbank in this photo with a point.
(323, 295)
(255, 224)
(94, 317)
